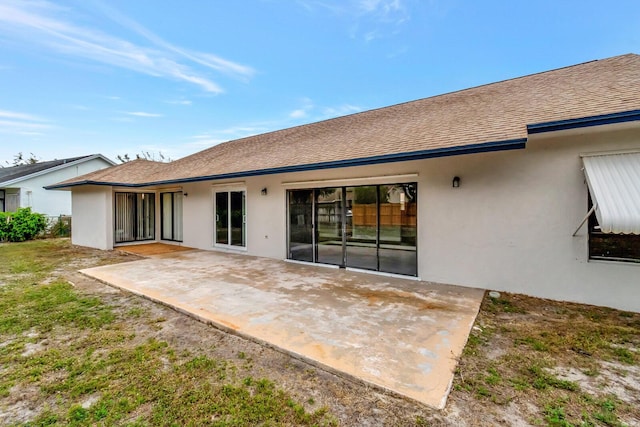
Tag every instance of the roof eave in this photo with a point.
(582, 122)
(485, 147)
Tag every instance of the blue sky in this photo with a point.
(123, 76)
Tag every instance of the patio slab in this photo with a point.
(403, 336)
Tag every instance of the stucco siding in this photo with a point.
(507, 227)
(92, 220)
(54, 203)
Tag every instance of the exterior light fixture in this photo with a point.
(264, 191)
(456, 182)
(185, 194)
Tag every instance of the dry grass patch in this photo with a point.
(555, 361)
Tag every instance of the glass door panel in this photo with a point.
(125, 217)
(222, 218)
(177, 216)
(237, 219)
(301, 225)
(146, 216)
(171, 215)
(166, 204)
(329, 217)
(398, 229)
(362, 227)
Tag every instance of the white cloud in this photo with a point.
(35, 22)
(341, 110)
(22, 125)
(303, 111)
(180, 102)
(142, 114)
(20, 116)
(18, 123)
(369, 19)
(297, 114)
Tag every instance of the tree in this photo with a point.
(159, 157)
(19, 160)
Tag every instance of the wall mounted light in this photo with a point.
(456, 182)
(264, 191)
(185, 194)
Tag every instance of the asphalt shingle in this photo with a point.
(490, 113)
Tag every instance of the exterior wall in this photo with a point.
(507, 227)
(92, 220)
(54, 203)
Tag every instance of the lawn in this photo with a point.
(78, 361)
(74, 351)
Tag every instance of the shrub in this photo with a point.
(59, 226)
(21, 225)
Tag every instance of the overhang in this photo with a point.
(614, 184)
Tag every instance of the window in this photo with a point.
(609, 246)
(171, 215)
(12, 200)
(371, 227)
(1, 200)
(230, 218)
(614, 205)
(134, 217)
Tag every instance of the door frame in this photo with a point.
(230, 188)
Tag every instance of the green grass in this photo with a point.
(87, 367)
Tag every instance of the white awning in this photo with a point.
(614, 184)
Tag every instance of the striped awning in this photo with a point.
(614, 184)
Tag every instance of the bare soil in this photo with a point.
(499, 341)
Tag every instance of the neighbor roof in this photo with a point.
(20, 172)
(484, 118)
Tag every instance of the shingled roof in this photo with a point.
(12, 173)
(489, 117)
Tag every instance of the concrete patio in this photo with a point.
(400, 335)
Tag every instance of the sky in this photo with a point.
(167, 77)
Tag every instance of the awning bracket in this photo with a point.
(593, 208)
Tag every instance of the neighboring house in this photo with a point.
(23, 186)
(482, 187)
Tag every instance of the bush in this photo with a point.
(58, 226)
(21, 225)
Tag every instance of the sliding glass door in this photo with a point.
(362, 227)
(301, 225)
(171, 215)
(329, 214)
(134, 217)
(230, 218)
(367, 227)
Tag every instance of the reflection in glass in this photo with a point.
(371, 227)
(301, 225)
(222, 218)
(329, 221)
(237, 218)
(362, 227)
(398, 229)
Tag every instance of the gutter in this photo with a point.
(604, 119)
